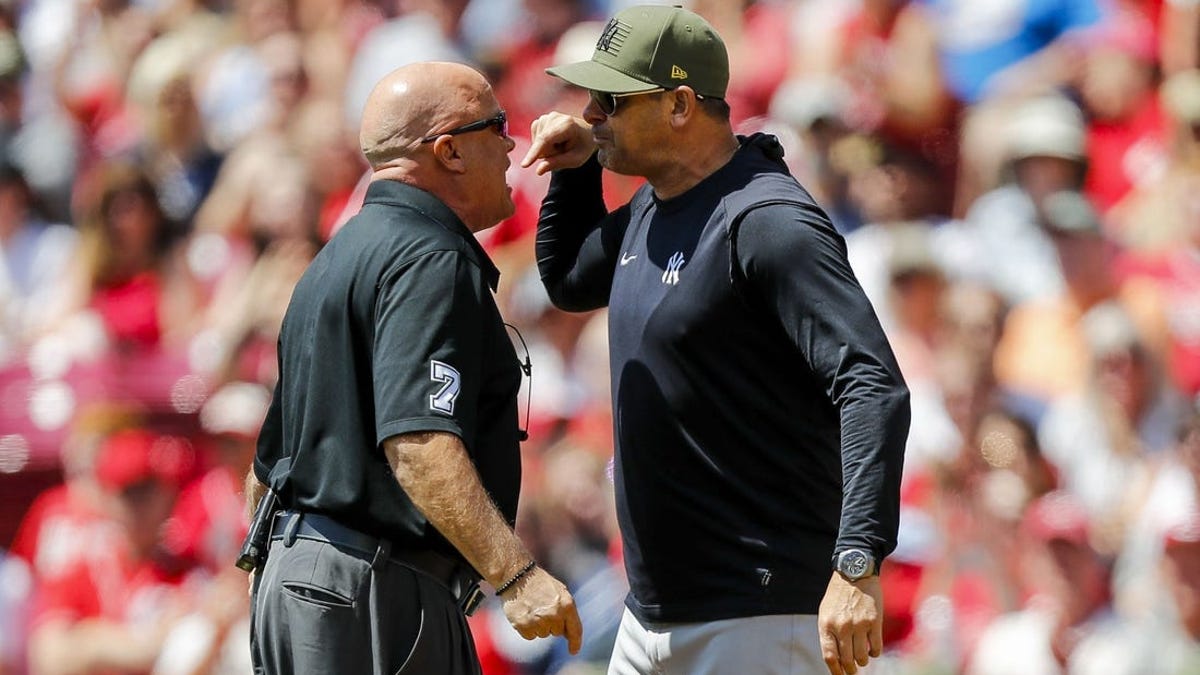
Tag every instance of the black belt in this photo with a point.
(460, 580)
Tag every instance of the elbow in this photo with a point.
(899, 403)
(902, 396)
(562, 297)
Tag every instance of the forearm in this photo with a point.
(254, 490)
(874, 432)
(571, 266)
(437, 475)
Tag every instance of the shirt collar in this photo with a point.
(395, 193)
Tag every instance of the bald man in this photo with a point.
(392, 438)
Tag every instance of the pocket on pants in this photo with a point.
(318, 573)
(316, 595)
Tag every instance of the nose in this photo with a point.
(592, 114)
(509, 143)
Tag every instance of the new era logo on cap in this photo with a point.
(653, 46)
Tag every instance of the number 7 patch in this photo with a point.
(443, 400)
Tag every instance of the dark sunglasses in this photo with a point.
(607, 101)
(499, 122)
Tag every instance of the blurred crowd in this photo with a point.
(1018, 182)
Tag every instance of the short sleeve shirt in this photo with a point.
(393, 329)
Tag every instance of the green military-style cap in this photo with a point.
(647, 47)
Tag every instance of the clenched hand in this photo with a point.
(540, 606)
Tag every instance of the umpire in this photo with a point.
(391, 442)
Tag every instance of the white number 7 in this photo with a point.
(443, 401)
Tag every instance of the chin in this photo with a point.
(612, 161)
(604, 157)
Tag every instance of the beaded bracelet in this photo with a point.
(516, 577)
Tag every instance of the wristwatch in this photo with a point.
(854, 564)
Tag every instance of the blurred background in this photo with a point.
(1018, 182)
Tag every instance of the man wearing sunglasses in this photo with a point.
(760, 413)
(391, 442)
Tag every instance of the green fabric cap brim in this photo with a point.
(599, 77)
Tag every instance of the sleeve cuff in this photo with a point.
(418, 424)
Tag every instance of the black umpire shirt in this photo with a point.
(760, 416)
(392, 329)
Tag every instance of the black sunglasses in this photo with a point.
(606, 101)
(499, 122)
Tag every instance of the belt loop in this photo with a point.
(382, 553)
(289, 531)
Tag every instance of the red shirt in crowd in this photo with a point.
(130, 309)
(209, 522)
(59, 530)
(1177, 277)
(108, 583)
(1123, 152)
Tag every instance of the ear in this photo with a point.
(446, 151)
(683, 105)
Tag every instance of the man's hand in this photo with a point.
(850, 622)
(540, 606)
(559, 142)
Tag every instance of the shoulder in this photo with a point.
(396, 236)
(762, 188)
(780, 224)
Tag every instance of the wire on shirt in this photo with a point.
(527, 368)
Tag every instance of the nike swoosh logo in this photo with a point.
(626, 259)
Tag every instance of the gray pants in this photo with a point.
(763, 645)
(319, 609)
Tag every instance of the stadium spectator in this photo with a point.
(418, 30)
(1043, 352)
(129, 277)
(68, 520)
(1045, 154)
(1126, 129)
(1160, 220)
(1101, 436)
(112, 607)
(1066, 622)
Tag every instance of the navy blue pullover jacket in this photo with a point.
(760, 417)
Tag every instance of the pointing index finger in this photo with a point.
(574, 631)
(535, 151)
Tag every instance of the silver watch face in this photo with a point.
(854, 564)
